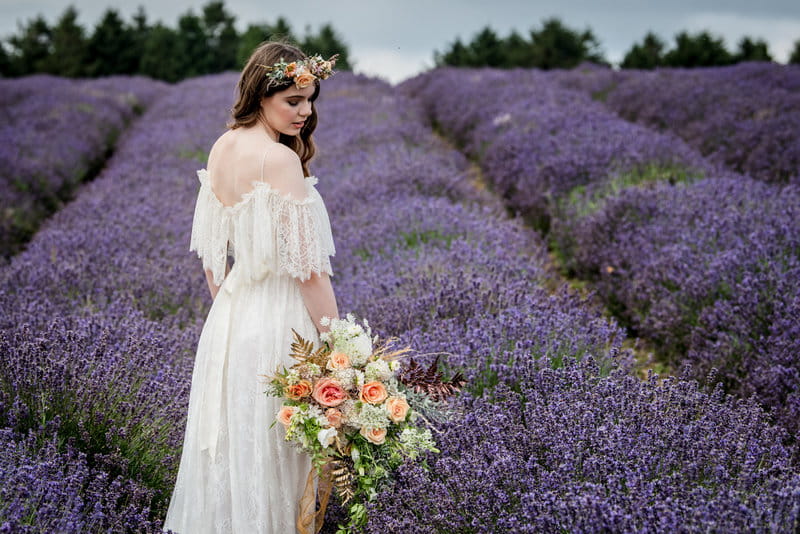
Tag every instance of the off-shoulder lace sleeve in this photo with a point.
(270, 232)
(210, 230)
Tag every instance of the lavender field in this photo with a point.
(56, 133)
(448, 196)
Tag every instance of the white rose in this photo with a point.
(377, 370)
(363, 345)
(326, 436)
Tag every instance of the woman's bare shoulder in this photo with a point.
(222, 146)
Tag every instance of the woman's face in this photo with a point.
(287, 110)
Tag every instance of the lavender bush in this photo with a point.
(536, 142)
(55, 133)
(710, 272)
(45, 487)
(697, 259)
(571, 452)
(746, 116)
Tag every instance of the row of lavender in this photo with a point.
(746, 116)
(555, 434)
(54, 134)
(699, 259)
(542, 441)
(101, 316)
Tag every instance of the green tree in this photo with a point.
(222, 39)
(486, 49)
(194, 57)
(140, 30)
(255, 34)
(69, 46)
(5, 61)
(556, 46)
(112, 47)
(795, 55)
(31, 48)
(647, 55)
(750, 50)
(161, 57)
(518, 51)
(458, 55)
(327, 42)
(699, 50)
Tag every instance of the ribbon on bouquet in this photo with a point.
(309, 519)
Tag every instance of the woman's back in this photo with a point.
(243, 156)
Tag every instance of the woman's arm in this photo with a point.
(212, 287)
(319, 299)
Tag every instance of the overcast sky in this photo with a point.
(396, 39)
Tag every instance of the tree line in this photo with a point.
(209, 42)
(200, 44)
(555, 45)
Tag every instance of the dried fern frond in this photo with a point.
(303, 351)
(343, 480)
(430, 381)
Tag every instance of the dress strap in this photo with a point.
(263, 160)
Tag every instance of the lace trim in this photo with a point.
(269, 232)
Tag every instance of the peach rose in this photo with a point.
(299, 390)
(397, 408)
(290, 68)
(304, 80)
(374, 435)
(285, 414)
(334, 417)
(373, 392)
(328, 392)
(338, 360)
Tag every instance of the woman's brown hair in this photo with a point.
(254, 85)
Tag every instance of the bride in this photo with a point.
(257, 202)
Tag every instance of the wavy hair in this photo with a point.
(254, 85)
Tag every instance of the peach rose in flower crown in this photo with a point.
(397, 408)
(338, 360)
(299, 390)
(334, 417)
(373, 392)
(303, 78)
(285, 414)
(329, 393)
(374, 435)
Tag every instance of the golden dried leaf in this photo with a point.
(343, 480)
(303, 351)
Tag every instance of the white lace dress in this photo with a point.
(236, 474)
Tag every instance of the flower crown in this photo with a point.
(302, 71)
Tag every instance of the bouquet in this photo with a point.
(358, 410)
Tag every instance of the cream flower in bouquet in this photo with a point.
(356, 409)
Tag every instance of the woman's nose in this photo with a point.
(305, 109)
